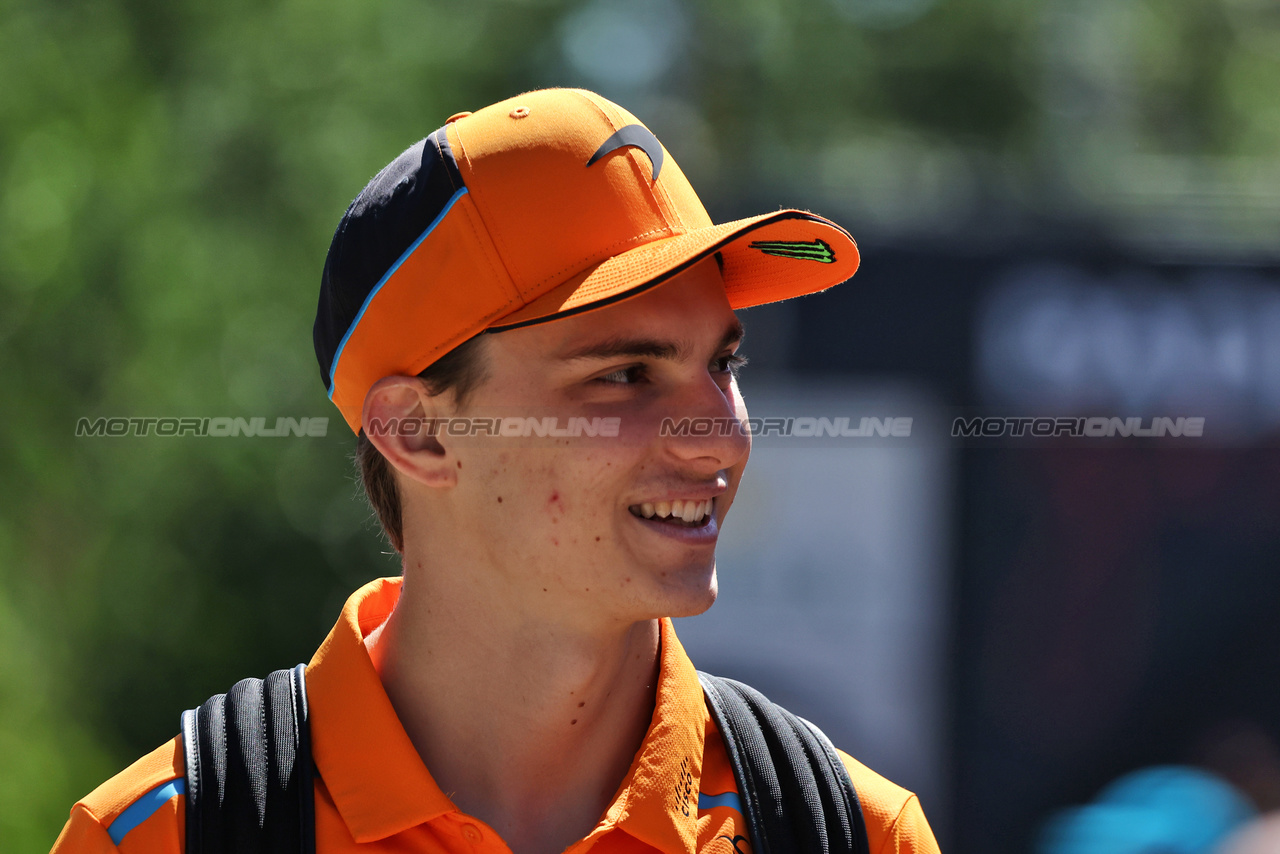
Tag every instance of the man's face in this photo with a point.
(573, 524)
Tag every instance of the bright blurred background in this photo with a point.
(1064, 207)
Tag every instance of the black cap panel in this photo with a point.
(379, 227)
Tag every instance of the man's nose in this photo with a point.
(708, 426)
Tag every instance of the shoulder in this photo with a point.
(138, 810)
(895, 821)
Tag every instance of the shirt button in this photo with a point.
(472, 834)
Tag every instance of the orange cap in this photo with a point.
(541, 206)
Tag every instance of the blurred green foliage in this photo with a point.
(171, 174)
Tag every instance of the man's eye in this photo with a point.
(731, 364)
(624, 376)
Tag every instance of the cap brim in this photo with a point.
(767, 258)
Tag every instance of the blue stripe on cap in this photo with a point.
(144, 807)
(333, 366)
(728, 799)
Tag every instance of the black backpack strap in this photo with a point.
(249, 771)
(796, 794)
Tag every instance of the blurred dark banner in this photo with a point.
(1115, 597)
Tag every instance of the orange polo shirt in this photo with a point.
(374, 795)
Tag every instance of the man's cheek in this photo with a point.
(625, 425)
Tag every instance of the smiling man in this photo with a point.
(520, 687)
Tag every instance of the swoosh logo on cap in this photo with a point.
(817, 250)
(640, 137)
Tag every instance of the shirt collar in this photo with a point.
(381, 787)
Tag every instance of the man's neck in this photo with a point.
(526, 725)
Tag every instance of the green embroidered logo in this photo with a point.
(816, 251)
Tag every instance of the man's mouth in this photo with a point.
(686, 513)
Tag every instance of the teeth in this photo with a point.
(686, 510)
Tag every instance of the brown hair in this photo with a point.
(459, 371)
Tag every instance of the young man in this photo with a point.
(509, 312)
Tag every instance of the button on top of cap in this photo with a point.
(519, 112)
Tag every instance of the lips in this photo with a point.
(684, 512)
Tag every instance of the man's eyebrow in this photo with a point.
(733, 334)
(653, 348)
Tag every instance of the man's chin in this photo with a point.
(693, 593)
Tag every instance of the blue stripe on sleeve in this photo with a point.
(145, 807)
(728, 799)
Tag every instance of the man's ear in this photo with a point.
(400, 419)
